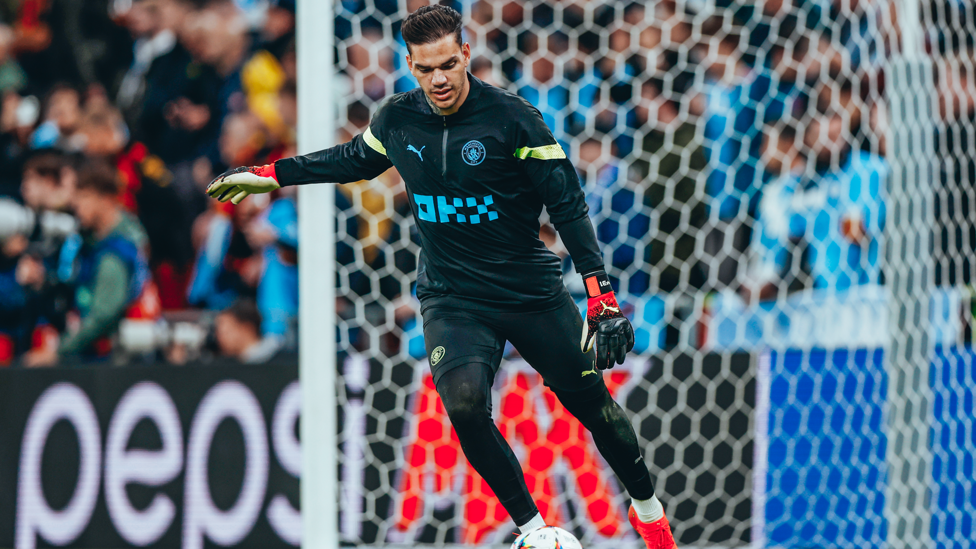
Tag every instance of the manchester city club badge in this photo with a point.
(473, 153)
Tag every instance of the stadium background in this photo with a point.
(783, 189)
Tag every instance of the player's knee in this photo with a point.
(466, 404)
(467, 412)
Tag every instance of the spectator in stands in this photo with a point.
(237, 330)
(278, 32)
(781, 150)
(275, 233)
(62, 115)
(148, 193)
(69, 41)
(264, 75)
(18, 116)
(217, 35)
(169, 103)
(600, 94)
(152, 24)
(242, 140)
(780, 265)
(48, 188)
(14, 223)
(227, 267)
(48, 182)
(12, 76)
(111, 269)
(835, 209)
(768, 93)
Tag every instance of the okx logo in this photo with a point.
(441, 209)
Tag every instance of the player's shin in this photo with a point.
(465, 393)
(614, 436)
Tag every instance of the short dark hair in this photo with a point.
(102, 117)
(46, 163)
(99, 176)
(57, 88)
(245, 311)
(431, 23)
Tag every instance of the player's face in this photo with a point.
(441, 69)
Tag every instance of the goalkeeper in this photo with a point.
(479, 163)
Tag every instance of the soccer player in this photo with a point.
(479, 163)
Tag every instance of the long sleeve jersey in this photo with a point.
(477, 181)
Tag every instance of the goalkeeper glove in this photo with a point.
(236, 184)
(605, 323)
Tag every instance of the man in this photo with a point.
(151, 23)
(110, 270)
(47, 188)
(237, 330)
(834, 208)
(479, 164)
(150, 194)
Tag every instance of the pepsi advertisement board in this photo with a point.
(150, 457)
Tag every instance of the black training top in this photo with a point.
(477, 181)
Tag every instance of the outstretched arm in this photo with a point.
(361, 158)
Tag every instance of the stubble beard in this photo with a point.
(434, 108)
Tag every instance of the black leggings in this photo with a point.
(466, 394)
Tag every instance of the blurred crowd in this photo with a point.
(722, 146)
(115, 117)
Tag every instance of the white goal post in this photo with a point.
(316, 277)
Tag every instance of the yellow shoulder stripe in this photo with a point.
(373, 143)
(548, 152)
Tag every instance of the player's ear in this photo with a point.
(466, 53)
(409, 62)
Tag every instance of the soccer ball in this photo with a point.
(549, 537)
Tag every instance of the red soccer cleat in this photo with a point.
(657, 534)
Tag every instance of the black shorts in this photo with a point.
(548, 340)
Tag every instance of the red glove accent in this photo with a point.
(268, 170)
(601, 304)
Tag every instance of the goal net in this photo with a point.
(784, 195)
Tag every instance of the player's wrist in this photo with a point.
(268, 170)
(597, 284)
